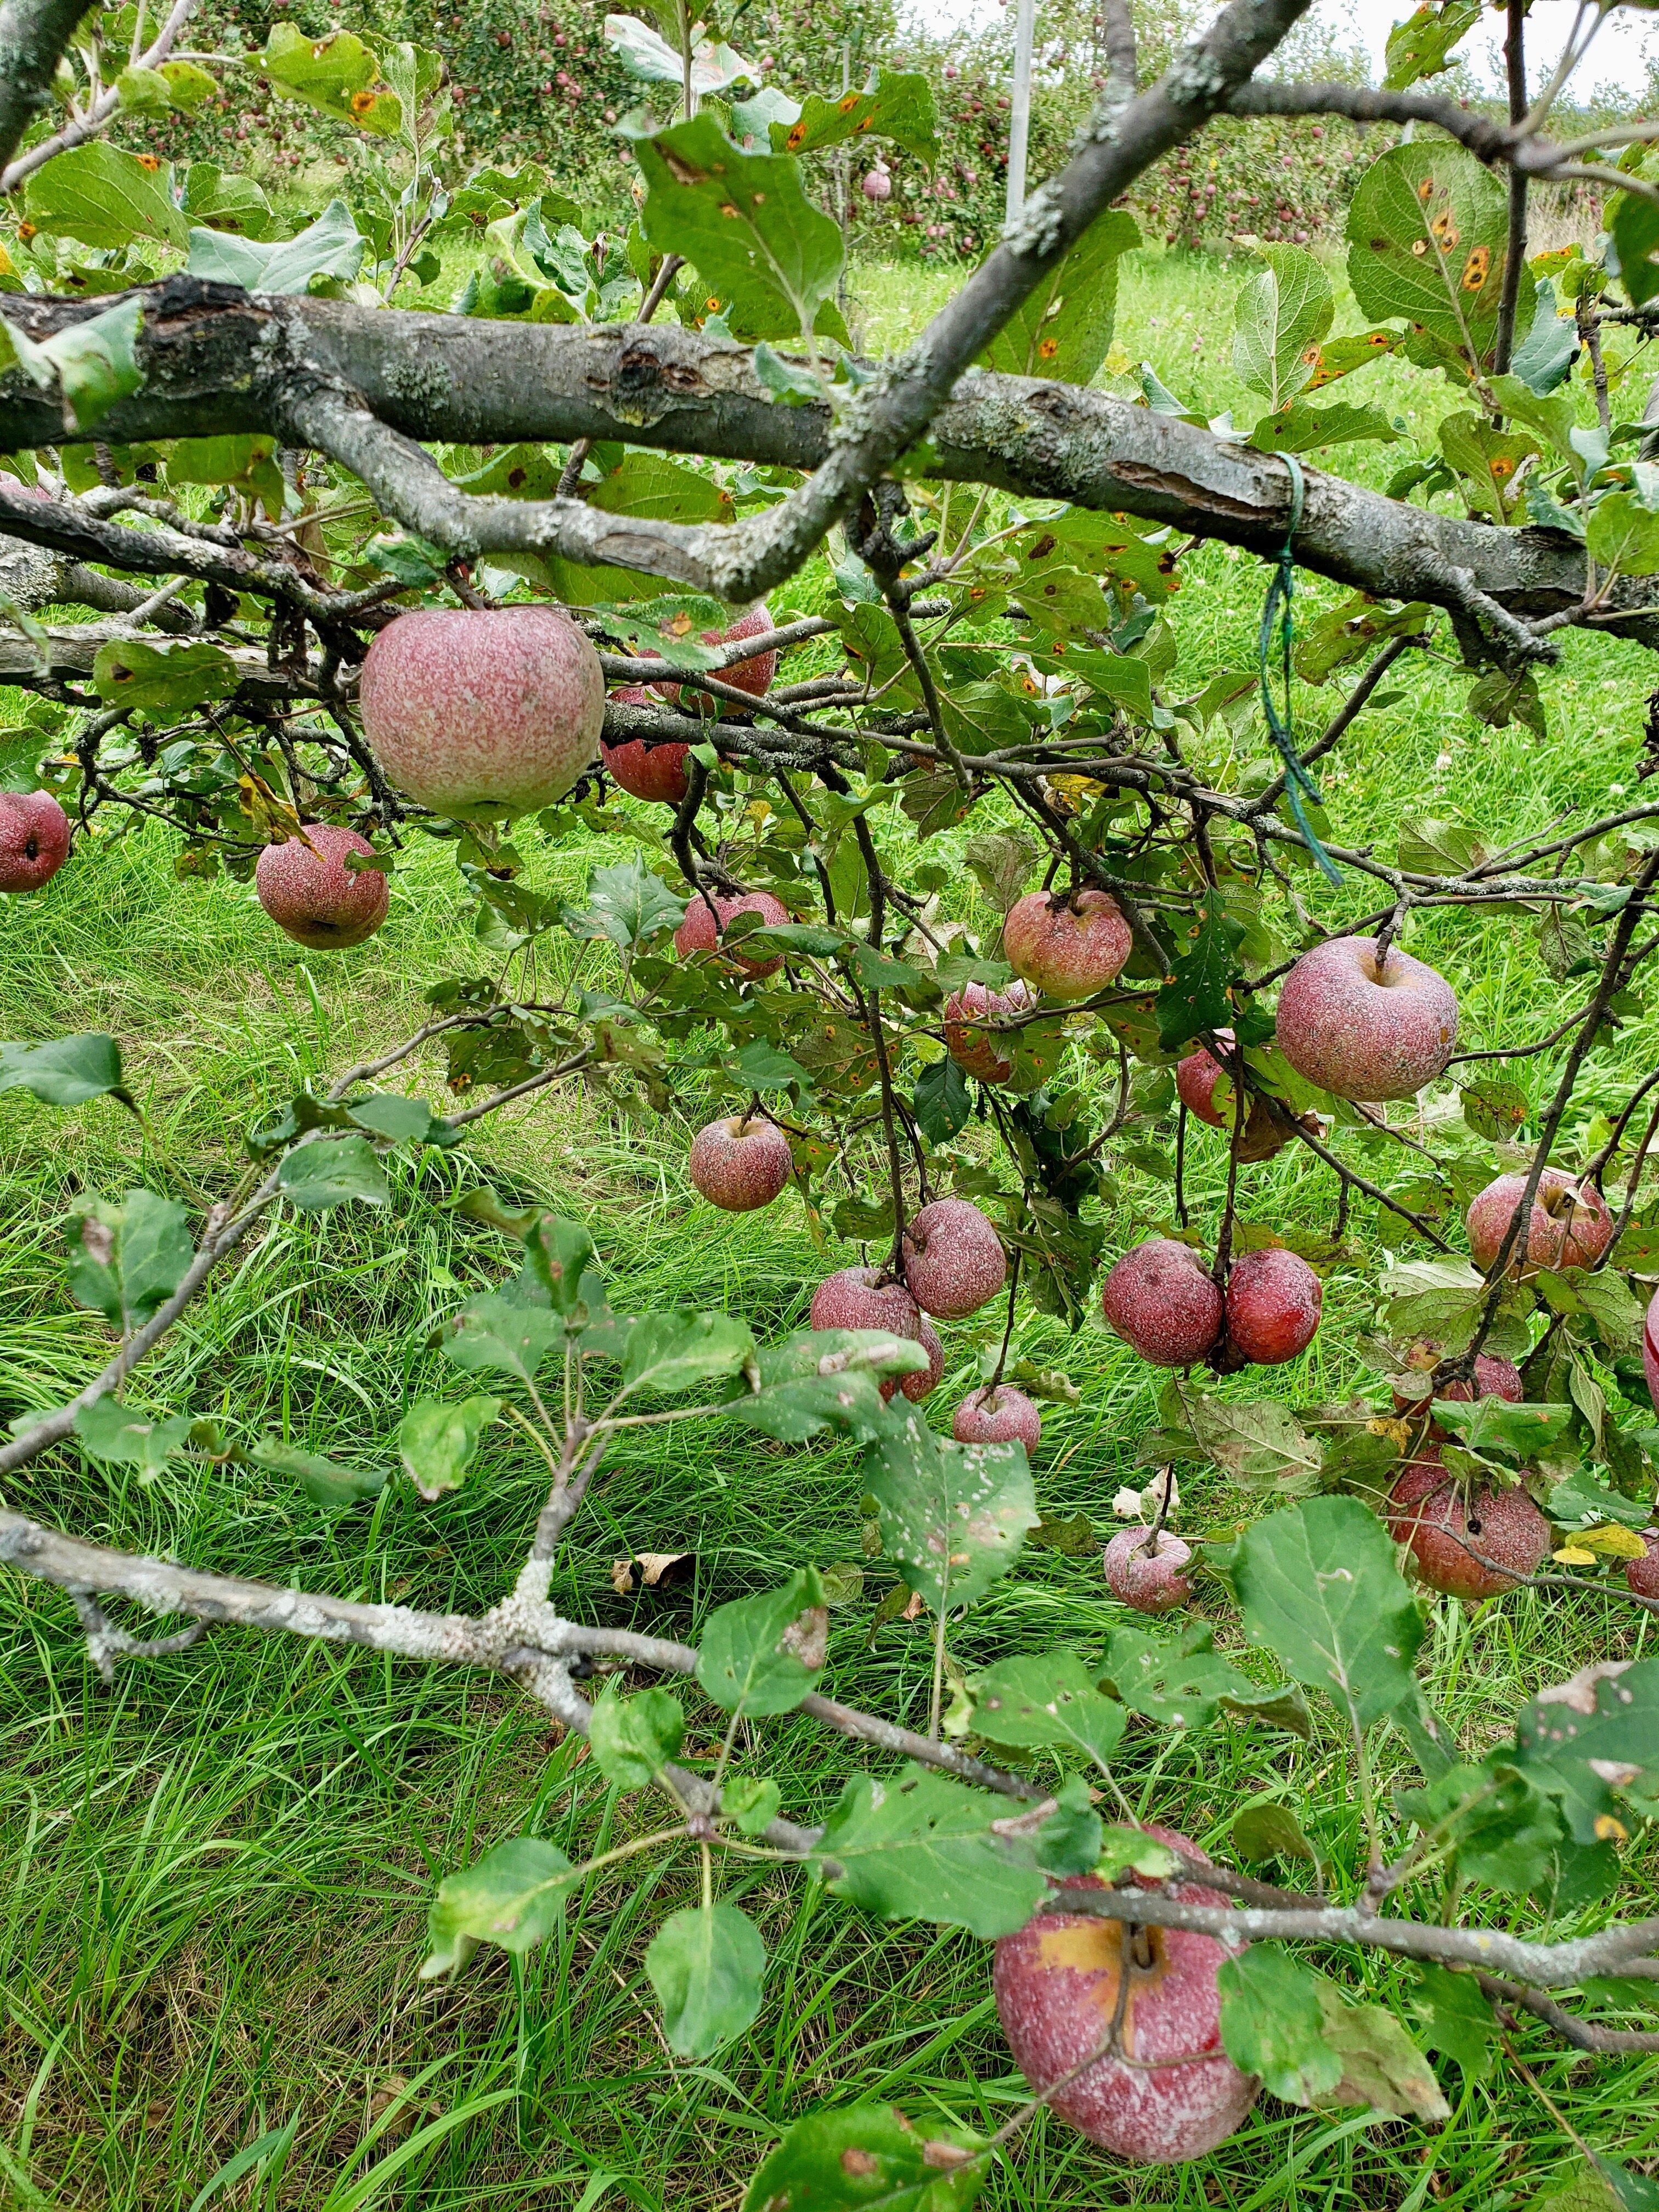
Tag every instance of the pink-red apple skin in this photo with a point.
(954, 1262)
(655, 772)
(698, 933)
(1492, 1378)
(1440, 1521)
(1057, 1984)
(977, 1050)
(498, 706)
(755, 677)
(1642, 1574)
(34, 839)
(1650, 1349)
(1161, 1301)
(738, 1164)
(1569, 1226)
(861, 1297)
(1002, 1416)
(1066, 948)
(1273, 1302)
(1151, 1577)
(1363, 1033)
(311, 894)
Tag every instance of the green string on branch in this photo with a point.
(1278, 623)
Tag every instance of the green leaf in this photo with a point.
(1273, 2024)
(870, 2155)
(1505, 1833)
(1545, 358)
(1063, 330)
(1456, 2019)
(1203, 970)
(1633, 228)
(223, 202)
(745, 223)
(1623, 534)
(1301, 429)
(681, 1351)
(324, 1481)
(824, 1378)
(1427, 237)
(941, 1102)
(144, 91)
(561, 1257)
(165, 682)
(397, 1119)
(917, 1846)
(188, 87)
(96, 362)
(66, 1071)
(1593, 1741)
(115, 1435)
(750, 1801)
(1270, 1831)
(632, 1739)
(103, 196)
(493, 1333)
(1421, 45)
(1035, 1703)
(953, 1515)
(126, 1261)
(626, 904)
(1184, 1682)
(795, 388)
(761, 1654)
(334, 74)
(705, 1964)
(1280, 316)
(329, 249)
(1132, 1851)
(646, 55)
(896, 103)
(1525, 1431)
(511, 1896)
(1495, 1107)
(437, 1440)
(1382, 2067)
(331, 1171)
(1318, 1586)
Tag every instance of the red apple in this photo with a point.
(877, 183)
(981, 1051)
(1642, 1574)
(1362, 1032)
(310, 893)
(867, 1298)
(701, 933)
(646, 769)
(1274, 1300)
(1161, 1299)
(1196, 1076)
(1001, 1416)
(1569, 1226)
(1650, 1349)
(738, 1164)
(754, 676)
(1057, 1989)
(954, 1262)
(1492, 1378)
(1067, 947)
(34, 839)
(1150, 1576)
(1445, 1529)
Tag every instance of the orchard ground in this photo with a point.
(218, 1872)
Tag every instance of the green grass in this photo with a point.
(217, 1874)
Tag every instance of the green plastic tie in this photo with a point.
(1277, 618)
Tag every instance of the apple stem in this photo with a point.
(995, 1382)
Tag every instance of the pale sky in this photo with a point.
(1616, 58)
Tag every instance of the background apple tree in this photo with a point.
(350, 576)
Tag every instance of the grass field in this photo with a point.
(216, 1873)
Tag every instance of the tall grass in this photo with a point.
(216, 1873)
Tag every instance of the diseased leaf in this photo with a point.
(1273, 2024)
(493, 1333)
(126, 1261)
(953, 1515)
(165, 681)
(1063, 330)
(871, 2154)
(1427, 235)
(1382, 2067)
(1281, 315)
(1456, 2019)
(920, 1846)
(1592, 1742)
(104, 196)
(1033, 1702)
(705, 1964)
(338, 74)
(761, 1654)
(511, 1896)
(1204, 967)
(669, 1352)
(1421, 46)
(896, 103)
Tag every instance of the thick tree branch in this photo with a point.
(33, 34)
(102, 110)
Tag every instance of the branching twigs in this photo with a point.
(33, 34)
(98, 113)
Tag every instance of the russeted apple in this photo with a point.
(34, 839)
(706, 920)
(755, 677)
(1001, 1415)
(1265, 1132)
(493, 707)
(1066, 945)
(976, 1049)
(1569, 1226)
(1057, 1983)
(1364, 1030)
(868, 1298)
(1643, 1574)
(641, 766)
(311, 895)
(954, 1262)
(1273, 1302)
(1492, 1378)
(1150, 1576)
(740, 1163)
(1163, 1300)
(1445, 1527)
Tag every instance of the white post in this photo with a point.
(1019, 122)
